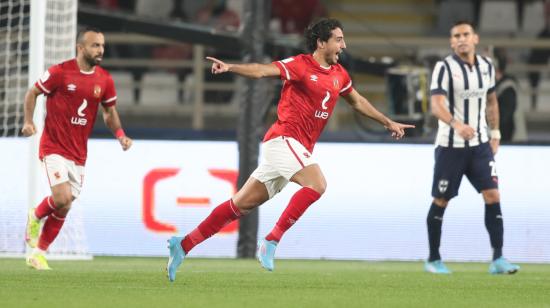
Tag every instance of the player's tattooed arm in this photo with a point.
(492, 111)
(493, 121)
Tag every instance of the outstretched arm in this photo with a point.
(30, 102)
(364, 107)
(252, 70)
(112, 121)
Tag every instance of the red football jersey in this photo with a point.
(308, 97)
(72, 100)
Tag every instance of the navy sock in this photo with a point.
(434, 221)
(495, 227)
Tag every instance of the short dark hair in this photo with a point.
(464, 22)
(320, 30)
(85, 30)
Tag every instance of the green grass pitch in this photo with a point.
(141, 282)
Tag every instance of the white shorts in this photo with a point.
(281, 158)
(60, 170)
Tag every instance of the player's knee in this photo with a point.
(63, 202)
(441, 202)
(491, 196)
(248, 203)
(62, 212)
(321, 188)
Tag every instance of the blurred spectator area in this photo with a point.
(164, 82)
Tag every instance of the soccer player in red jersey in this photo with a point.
(74, 89)
(312, 84)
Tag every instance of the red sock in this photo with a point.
(50, 230)
(221, 216)
(298, 204)
(45, 208)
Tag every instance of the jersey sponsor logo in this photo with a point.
(325, 100)
(45, 77)
(321, 114)
(82, 107)
(97, 91)
(313, 78)
(443, 185)
(80, 120)
(467, 94)
(71, 87)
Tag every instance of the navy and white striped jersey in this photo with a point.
(466, 88)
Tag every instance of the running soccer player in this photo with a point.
(74, 89)
(312, 84)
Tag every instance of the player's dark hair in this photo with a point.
(320, 30)
(464, 22)
(86, 30)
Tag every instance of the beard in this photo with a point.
(92, 61)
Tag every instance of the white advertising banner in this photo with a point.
(374, 208)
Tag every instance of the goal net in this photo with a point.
(35, 35)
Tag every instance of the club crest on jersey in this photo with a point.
(97, 91)
(443, 185)
(336, 84)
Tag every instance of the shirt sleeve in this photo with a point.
(290, 68)
(50, 80)
(109, 96)
(347, 85)
(440, 80)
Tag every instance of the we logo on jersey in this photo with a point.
(80, 120)
(322, 114)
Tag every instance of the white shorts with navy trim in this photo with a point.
(282, 157)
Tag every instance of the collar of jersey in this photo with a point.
(459, 60)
